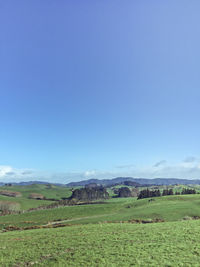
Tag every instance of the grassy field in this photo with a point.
(109, 244)
(53, 192)
(57, 193)
(168, 208)
(102, 234)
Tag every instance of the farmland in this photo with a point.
(52, 192)
(160, 244)
(114, 232)
(168, 208)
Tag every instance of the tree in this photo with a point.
(124, 192)
(90, 194)
(7, 207)
(170, 192)
(186, 191)
(167, 192)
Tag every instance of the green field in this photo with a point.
(168, 208)
(55, 192)
(106, 234)
(160, 244)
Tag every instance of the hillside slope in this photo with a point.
(169, 208)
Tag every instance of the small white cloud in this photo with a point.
(10, 174)
(90, 173)
(4, 170)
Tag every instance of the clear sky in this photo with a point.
(99, 88)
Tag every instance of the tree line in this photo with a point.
(146, 193)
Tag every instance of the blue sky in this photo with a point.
(99, 89)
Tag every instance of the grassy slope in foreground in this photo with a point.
(160, 244)
(169, 208)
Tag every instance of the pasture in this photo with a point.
(116, 232)
(104, 244)
(49, 192)
(168, 208)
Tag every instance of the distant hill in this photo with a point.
(32, 182)
(119, 180)
(137, 181)
(105, 182)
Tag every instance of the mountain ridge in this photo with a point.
(114, 181)
(140, 181)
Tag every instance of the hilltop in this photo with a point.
(114, 181)
(137, 181)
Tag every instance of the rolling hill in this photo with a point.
(138, 181)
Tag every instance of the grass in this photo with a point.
(168, 208)
(94, 235)
(41, 217)
(160, 244)
(55, 192)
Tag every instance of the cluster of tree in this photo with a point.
(8, 184)
(186, 191)
(90, 194)
(126, 192)
(131, 183)
(167, 192)
(146, 193)
(8, 207)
